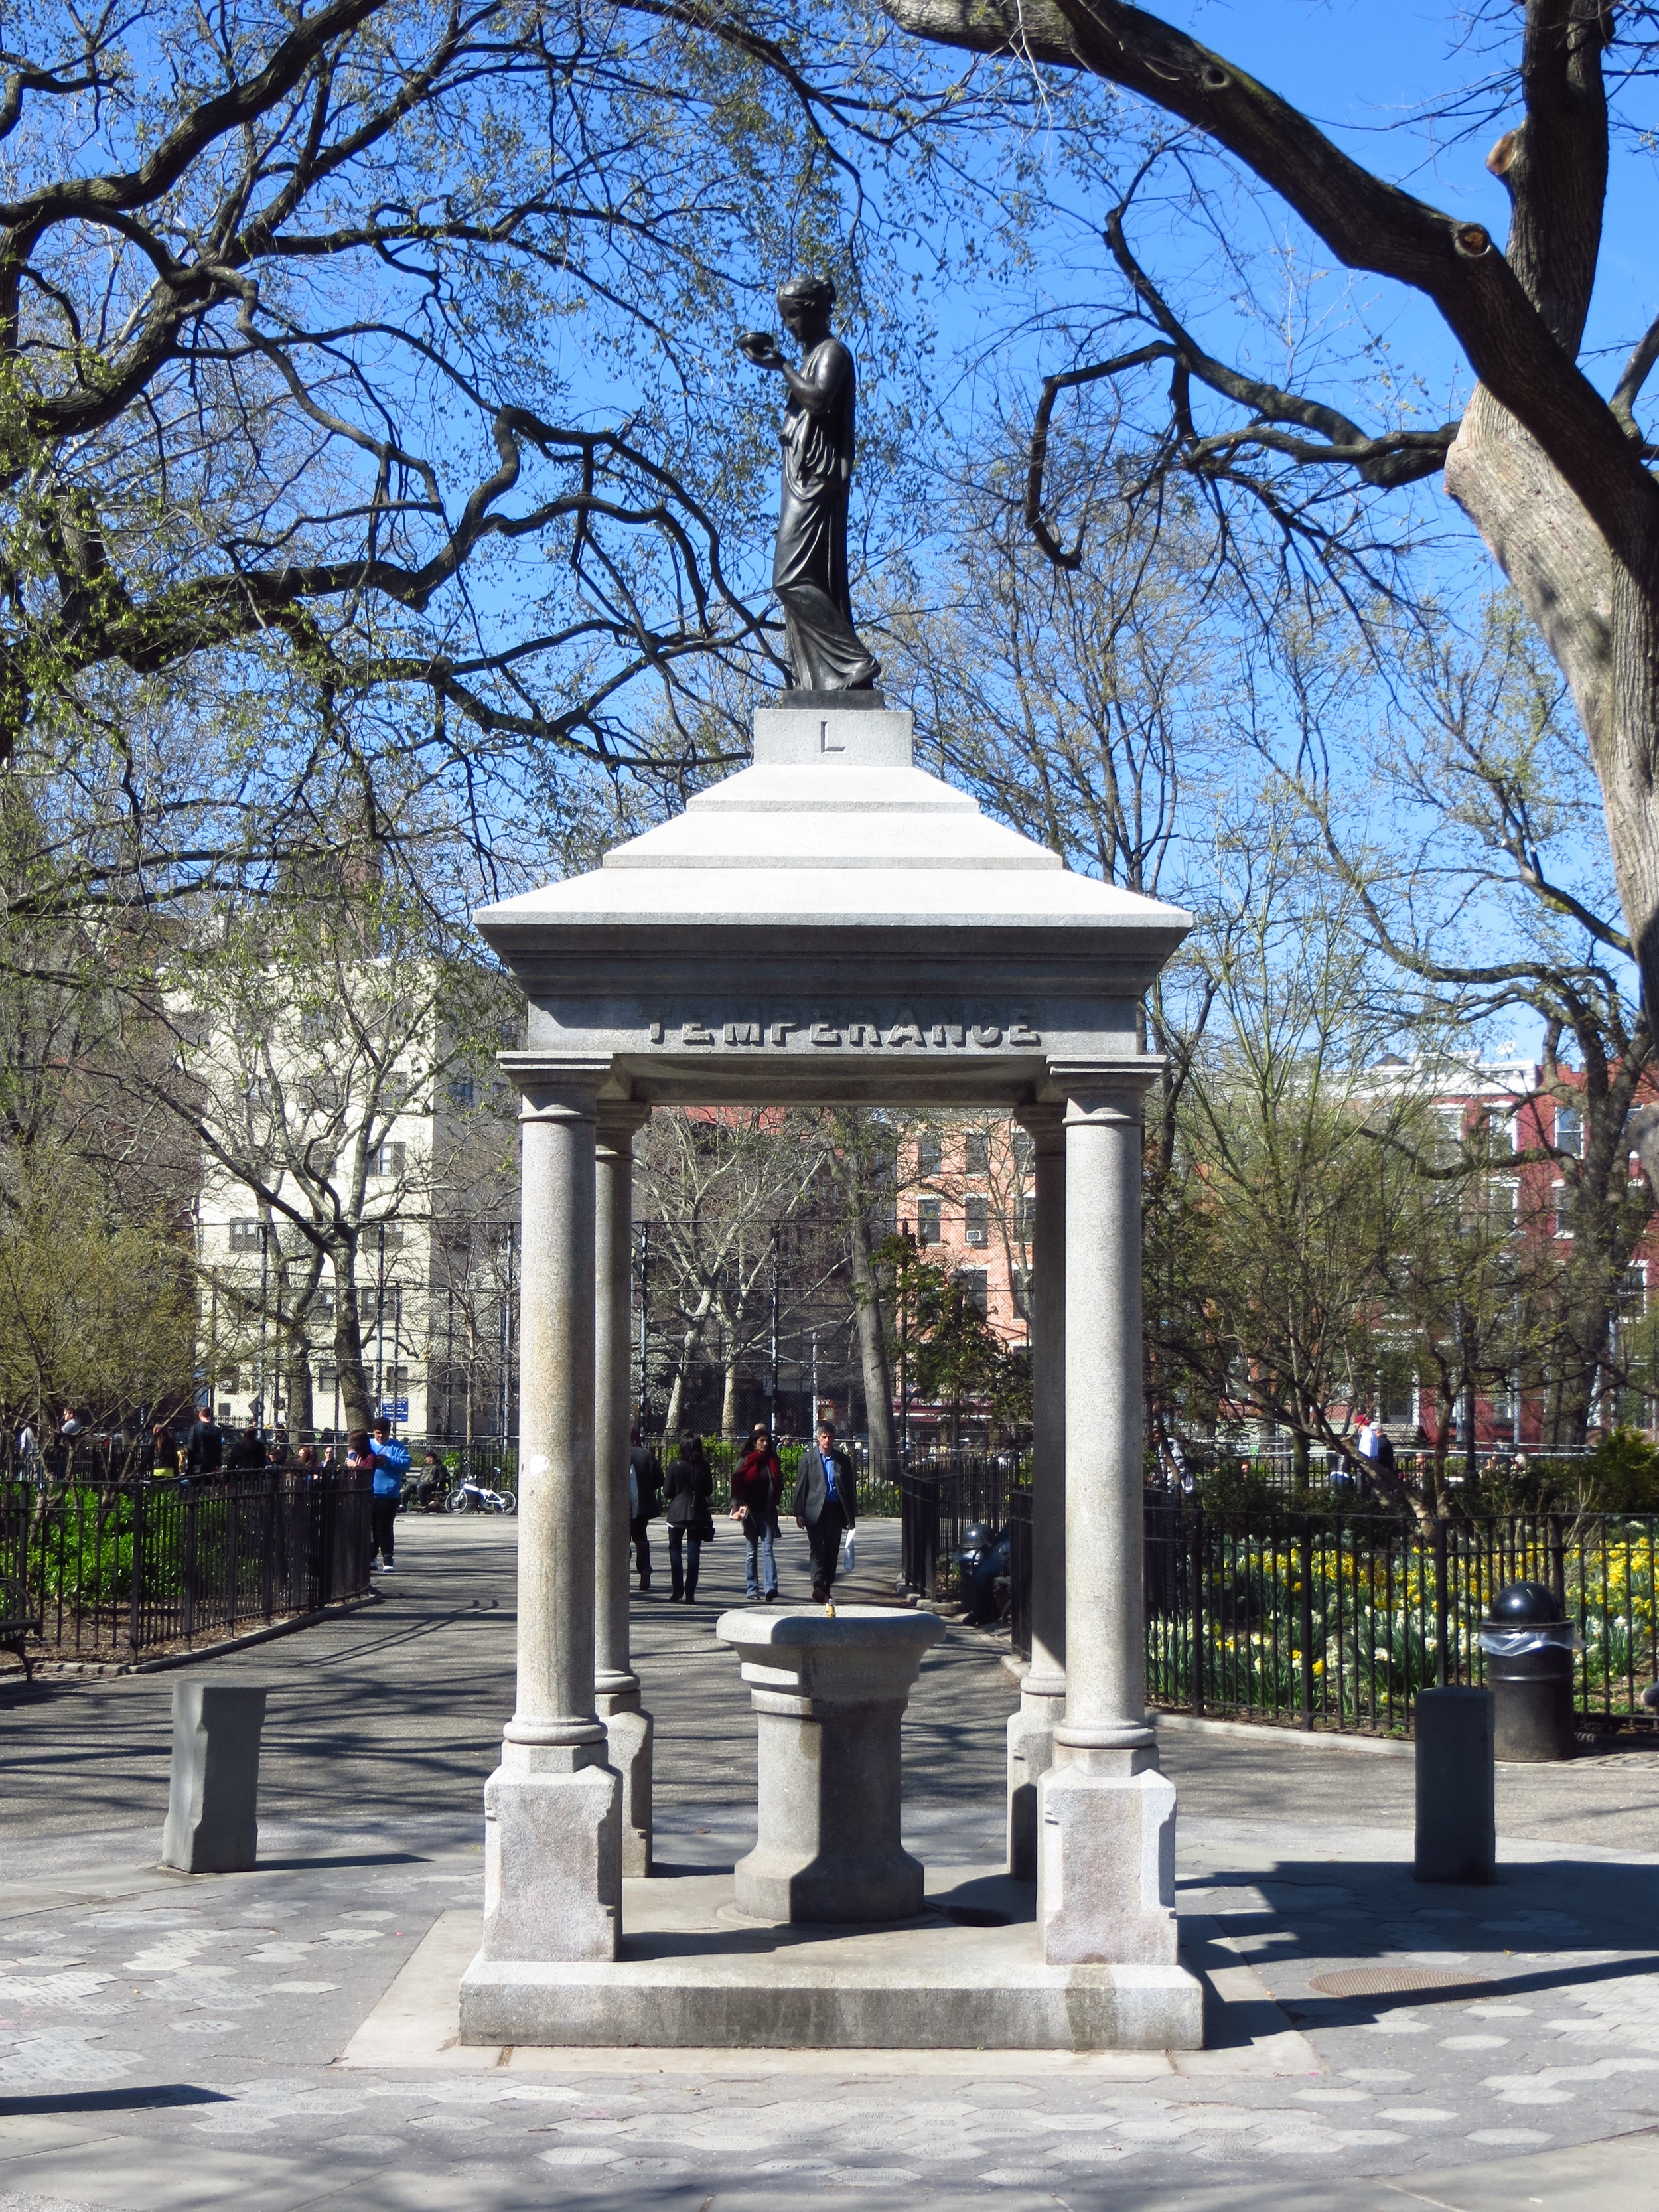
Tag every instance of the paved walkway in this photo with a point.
(168, 2044)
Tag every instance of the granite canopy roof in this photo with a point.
(832, 917)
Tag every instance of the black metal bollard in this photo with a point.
(1529, 1652)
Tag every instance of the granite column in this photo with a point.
(1106, 1855)
(1042, 1692)
(615, 1685)
(553, 1809)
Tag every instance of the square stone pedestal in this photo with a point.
(553, 1872)
(629, 1740)
(1106, 1860)
(966, 1973)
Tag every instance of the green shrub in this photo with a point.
(1621, 1475)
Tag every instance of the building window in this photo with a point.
(976, 1221)
(245, 1236)
(1561, 1218)
(928, 1221)
(976, 1153)
(389, 1160)
(233, 1382)
(1024, 1150)
(389, 1233)
(463, 1090)
(1023, 1293)
(976, 1289)
(1446, 1138)
(1633, 1292)
(1569, 1131)
(1027, 1216)
(322, 1305)
(928, 1154)
(1503, 1208)
(509, 1037)
(328, 1376)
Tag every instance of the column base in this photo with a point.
(1031, 1755)
(552, 1862)
(630, 1734)
(1106, 1860)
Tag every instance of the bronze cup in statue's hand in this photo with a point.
(760, 346)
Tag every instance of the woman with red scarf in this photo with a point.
(756, 1488)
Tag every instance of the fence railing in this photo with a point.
(111, 1572)
(1338, 1621)
(939, 1501)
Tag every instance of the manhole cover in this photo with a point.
(1394, 1981)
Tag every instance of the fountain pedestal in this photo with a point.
(830, 1695)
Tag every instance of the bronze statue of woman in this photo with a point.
(809, 574)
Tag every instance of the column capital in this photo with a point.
(620, 1120)
(552, 1088)
(1106, 1091)
(1045, 1125)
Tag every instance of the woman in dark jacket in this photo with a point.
(690, 1486)
(757, 1487)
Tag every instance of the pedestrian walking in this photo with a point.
(31, 1460)
(391, 1459)
(756, 1493)
(825, 1506)
(204, 1447)
(689, 1487)
(247, 1454)
(644, 1501)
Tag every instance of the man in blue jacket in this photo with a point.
(391, 1466)
(825, 1506)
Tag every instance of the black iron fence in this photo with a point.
(1337, 1621)
(110, 1573)
(939, 1501)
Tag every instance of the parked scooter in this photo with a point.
(471, 1496)
(984, 1569)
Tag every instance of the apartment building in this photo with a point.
(320, 1118)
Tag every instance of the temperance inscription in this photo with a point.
(1014, 1035)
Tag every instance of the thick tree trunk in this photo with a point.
(355, 1408)
(872, 1349)
(1600, 623)
(296, 1388)
(729, 1400)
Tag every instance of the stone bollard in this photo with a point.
(1456, 1799)
(212, 1819)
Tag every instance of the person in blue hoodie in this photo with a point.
(391, 1466)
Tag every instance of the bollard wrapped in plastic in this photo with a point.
(1528, 1649)
(1506, 1642)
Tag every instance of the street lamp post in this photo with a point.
(264, 1293)
(772, 1378)
(380, 1327)
(645, 1296)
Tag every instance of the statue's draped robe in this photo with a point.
(808, 574)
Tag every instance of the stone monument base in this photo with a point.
(966, 1973)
